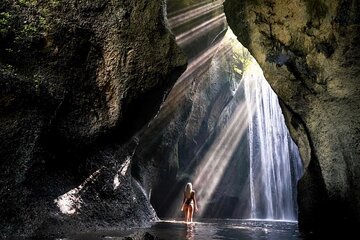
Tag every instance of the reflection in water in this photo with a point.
(190, 231)
(207, 230)
(226, 229)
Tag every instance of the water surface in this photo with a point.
(210, 229)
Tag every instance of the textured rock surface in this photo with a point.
(175, 139)
(191, 121)
(77, 80)
(178, 137)
(141, 236)
(309, 51)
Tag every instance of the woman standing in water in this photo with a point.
(189, 203)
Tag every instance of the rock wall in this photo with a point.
(309, 52)
(173, 144)
(77, 80)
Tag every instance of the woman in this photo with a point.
(189, 203)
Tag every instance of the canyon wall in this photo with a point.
(309, 52)
(77, 80)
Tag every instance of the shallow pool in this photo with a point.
(209, 229)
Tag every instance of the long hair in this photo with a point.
(188, 190)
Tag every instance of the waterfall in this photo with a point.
(271, 151)
(225, 124)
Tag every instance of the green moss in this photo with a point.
(316, 9)
(24, 29)
(297, 44)
(5, 18)
(26, 21)
(37, 80)
(255, 2)
(27, 2)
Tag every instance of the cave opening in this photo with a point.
(82, 149)
(221, 128)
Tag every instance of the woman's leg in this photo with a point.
(186, 212)
(191, 212)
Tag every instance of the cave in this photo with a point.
(100, 100)
(221, 128)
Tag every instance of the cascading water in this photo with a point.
(271, 151)
(221, 127)
(274, 164)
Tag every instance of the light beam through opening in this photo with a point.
(257, 117)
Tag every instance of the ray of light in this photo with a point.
(120, 175)
(199, 65)
(70, 202)
(213, 165)
(199, 30)
(200, 61)
(190, 15)
(189, 8)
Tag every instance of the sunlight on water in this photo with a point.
(208, 229)
(226, 229)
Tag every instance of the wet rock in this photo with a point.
(141, 236)
(77, 80)
(308, 52)
(172, 147)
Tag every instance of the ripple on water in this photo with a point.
(208, 229)
(226, 229)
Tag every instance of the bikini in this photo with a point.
(189, 200)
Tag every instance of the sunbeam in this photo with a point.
(199, 30)
(190, 15)
(212, 166)
(196, 67)
(70, 202)
(218, 140)
(172, 12)
(201, 60)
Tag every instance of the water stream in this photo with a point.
(271, 165)
(275, 164)
(251, 167)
